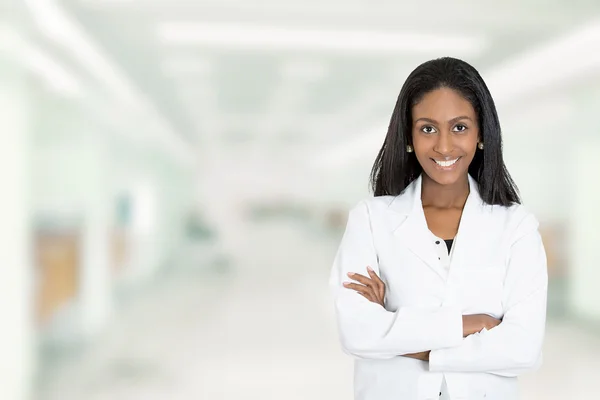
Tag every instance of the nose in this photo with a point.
(443, 145)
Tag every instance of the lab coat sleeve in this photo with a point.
(514, 346)
(367, 330)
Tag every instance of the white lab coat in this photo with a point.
(497, 267)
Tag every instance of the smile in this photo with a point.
(446, 164)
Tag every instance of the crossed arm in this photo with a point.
(449, 340)
(373, 289)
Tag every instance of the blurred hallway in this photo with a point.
(264, 331)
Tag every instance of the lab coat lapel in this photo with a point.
(467, 244)
(411, 230)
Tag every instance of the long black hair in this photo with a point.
(394, 168)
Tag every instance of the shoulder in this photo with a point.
(516, 220)
(373, 205)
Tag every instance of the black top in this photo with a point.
(449, 244)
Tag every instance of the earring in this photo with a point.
(480, 145)
(409, 148)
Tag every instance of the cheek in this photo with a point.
(471, 148)
(422, 150)
(420, 144)
(423, 158)
(468, 143)
(474, 136)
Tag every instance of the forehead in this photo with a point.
(442, 105)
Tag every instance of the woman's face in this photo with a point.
(444, 135)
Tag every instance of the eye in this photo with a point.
(459, 128)
(428, 129)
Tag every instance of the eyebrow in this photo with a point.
(453, 120)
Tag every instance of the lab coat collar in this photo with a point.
(409, 200)
(411, 226)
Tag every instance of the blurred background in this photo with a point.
(176, 175)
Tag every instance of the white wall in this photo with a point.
(16, 285)
(584, 208)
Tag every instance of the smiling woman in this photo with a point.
(440, 281)
(443, 103)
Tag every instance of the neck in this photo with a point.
(444, 196)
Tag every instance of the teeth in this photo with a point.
(446, 163)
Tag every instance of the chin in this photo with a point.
(446, 178)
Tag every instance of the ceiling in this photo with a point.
(274, 91)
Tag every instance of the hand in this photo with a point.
(373, 288)
(476, 322)
(423, 356)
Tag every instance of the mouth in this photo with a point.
(446, 165)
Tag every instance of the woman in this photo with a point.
(440, 280)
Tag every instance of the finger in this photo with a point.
(368, 297)
(378, 292)
(379, 283)
(375, 277)
(360, 289)
(362, 279)
(370, 284)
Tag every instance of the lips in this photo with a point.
(446, 163)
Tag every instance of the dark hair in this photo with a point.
(394, 168)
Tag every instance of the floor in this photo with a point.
(262, 330)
